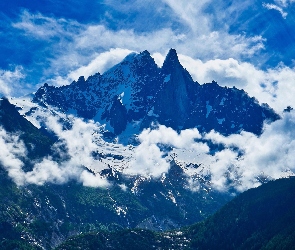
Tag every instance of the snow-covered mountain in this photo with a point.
(166, 144)
(140, 120)
(135, 93)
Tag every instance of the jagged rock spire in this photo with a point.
(176, 88)
(171, 61)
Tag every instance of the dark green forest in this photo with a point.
(260, 218)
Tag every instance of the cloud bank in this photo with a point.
(79, 144)
(244, 160)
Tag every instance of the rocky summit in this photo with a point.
(137, 93)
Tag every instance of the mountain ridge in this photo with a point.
(136, 91)
(13, 122)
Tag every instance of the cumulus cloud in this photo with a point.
(79, 141)
(79, 144)
(148, 158)
(244, 162)
(274, 86)
(270, 155)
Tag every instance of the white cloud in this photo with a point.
(79, 141)
(273, 86)
(100, 63)
(271, 154)
(148, 158)
(43, 27)
(49, 171)
(80, 145)
(77, 48)
(148, 161)
(275, 7)
(10, 81)
(90, 180)
(12, 149)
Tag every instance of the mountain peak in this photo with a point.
(172, 54)
(145, 53)
(171, 60)
(141, 58)
(130, 57)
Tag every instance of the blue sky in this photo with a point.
(56, 41)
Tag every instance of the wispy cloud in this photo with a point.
(192, 13)
(42, 27)
(69, 46)
(282, 6)
(275, 7)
